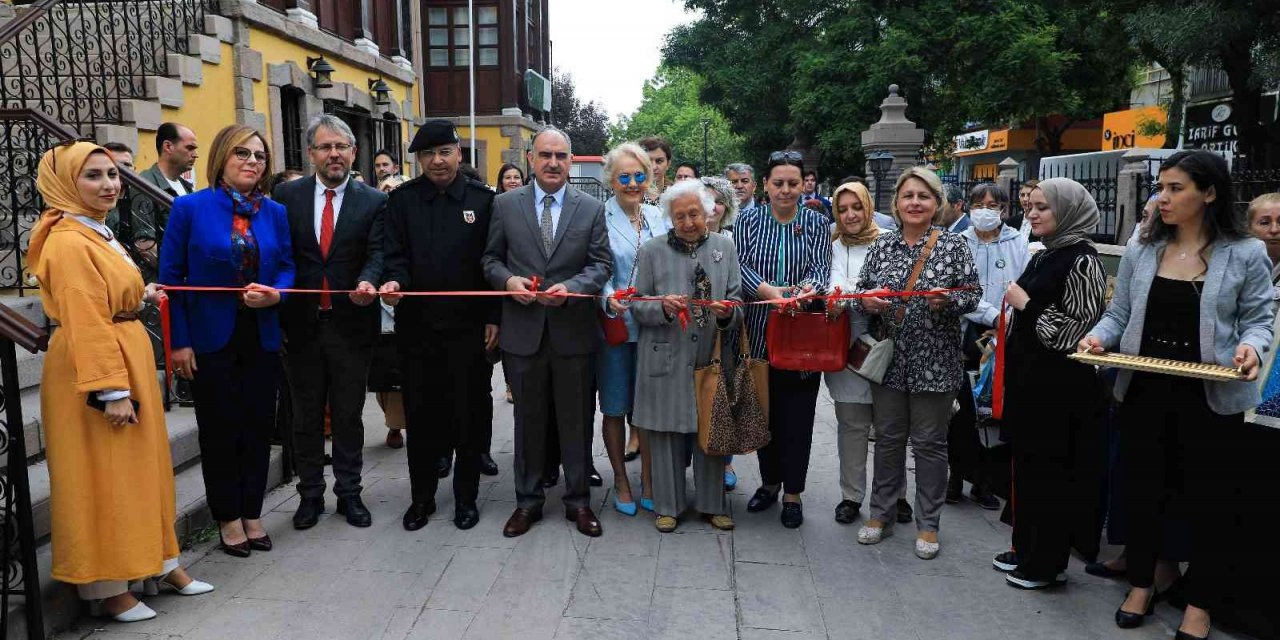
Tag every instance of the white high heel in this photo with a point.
(137, 613)
(152, 587)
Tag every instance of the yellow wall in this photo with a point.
(277, 50)
(205, 109)
(489, 138)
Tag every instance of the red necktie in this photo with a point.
(326, 239)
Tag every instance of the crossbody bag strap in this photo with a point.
(915, 273)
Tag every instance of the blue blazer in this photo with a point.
(197, 252)
(1235, 309)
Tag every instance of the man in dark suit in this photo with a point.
(437, 227)
(336, 225)
(550, 230)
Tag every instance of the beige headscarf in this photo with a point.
(869, 231)
(56, 181)
(1073, 208)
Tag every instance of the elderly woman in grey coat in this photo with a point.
(688, 262)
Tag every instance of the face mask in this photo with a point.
(985, 219)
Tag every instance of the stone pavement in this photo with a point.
(759, 582)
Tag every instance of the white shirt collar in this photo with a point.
(98, 227)
(539, 194)
(338, 190)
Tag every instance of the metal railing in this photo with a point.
(79, 61)
(592, 186)
(19, 573)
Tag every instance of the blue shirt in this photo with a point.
(795, 254)
(625, 243)
(556, 205)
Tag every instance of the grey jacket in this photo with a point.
(580, 258)
(1235, 309)
(666, 354)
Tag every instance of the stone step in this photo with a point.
(61, 605)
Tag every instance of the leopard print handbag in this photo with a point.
(733, 414)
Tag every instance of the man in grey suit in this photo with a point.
(550, 230)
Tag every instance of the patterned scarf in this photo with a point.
(244, 246)
(701, 282)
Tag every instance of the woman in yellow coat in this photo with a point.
(108, 448)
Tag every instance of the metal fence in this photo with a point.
(1101, 179)
(592, 186)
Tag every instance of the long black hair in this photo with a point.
(503, 171)
(1208, 170)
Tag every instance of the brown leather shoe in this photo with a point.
(395, 439)
(520, 521)
(588, 523)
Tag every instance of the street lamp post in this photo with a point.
(879, 162)
(706, 122)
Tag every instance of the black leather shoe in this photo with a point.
(594, 478)
(905, 514)
(416, 516)
(487, 466)
(955, 490)
(551, 479)
(763, 499)
(308, 513)
(847, 511)
(984, 498)
(1126, 620)
(1101, 570)
(466, 516)
(353, 508)
(1183, 635)
(444, 466)
(792, 515)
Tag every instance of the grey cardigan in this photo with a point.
(666, 354)
(1235, 308)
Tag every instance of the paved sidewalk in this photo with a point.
(759, 582)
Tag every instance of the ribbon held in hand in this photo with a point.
(997, 384)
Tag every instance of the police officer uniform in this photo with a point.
(434, 241)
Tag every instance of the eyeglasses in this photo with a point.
(340, 147)
(244, 154)
(785, 156)
(442, 152)
(625, 178)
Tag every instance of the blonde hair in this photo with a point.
(225, 143)
(931, 180)
(627, 149)
(1264, 200)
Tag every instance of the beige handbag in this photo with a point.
(869, 357)
(733, 411)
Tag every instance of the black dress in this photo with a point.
(1053, 410)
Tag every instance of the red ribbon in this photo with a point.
(168, 348)
(997, 383)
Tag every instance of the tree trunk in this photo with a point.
(1246, 99)
(1178, 98)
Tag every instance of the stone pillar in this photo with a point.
(362, 32)
(896, 135)
(300, 11)
(1131, 187)
(1008, 175)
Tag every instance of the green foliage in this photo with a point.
(818, 70)
(671, 109)
(586, 123)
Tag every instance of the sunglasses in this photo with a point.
(244, 154)
(625, 178)
(785, 156)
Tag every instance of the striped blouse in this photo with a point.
(795, 254)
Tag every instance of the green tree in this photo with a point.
(586, 122)
(671, 109)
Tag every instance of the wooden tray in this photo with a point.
(1215, 372)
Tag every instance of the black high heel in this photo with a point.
(239, 550)
(1126, 620)
(1183, 635)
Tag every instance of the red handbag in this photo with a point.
(615, 329)
(807, 341)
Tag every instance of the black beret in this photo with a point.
(434, 133)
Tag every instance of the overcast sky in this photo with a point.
(612, 46)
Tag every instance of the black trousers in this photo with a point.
(543, 383)
(235, 394)
(793, 399)
(447, 407)
(1172, 445)
(329, 369)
